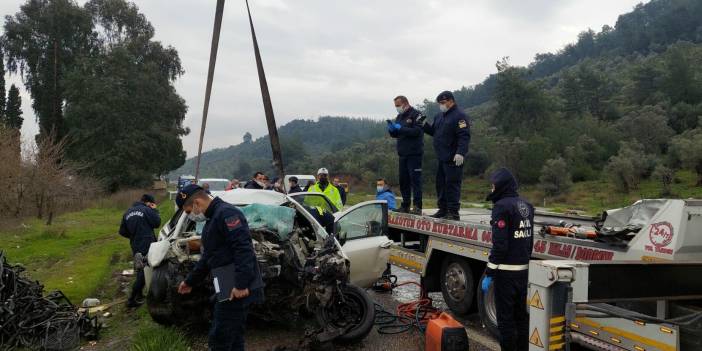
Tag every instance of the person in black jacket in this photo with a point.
(225, 239)
(257, 182)
(410, 148)
(294, 187)
(138, 225)
(508, 264)
(451, 132)
(342, 190)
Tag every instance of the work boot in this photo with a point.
(134, 303)
(452, 216)
(439, 214)
(416, 211)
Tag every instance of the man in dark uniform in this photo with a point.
(451, 132)
(342, 190)
(138, 225)
(257, 182)
(294, 187)
(512, 240)
(410, 148)
(225, 239)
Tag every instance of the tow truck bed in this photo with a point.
(450, 256)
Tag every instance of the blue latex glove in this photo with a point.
(391, 128)
(486, 283)
(397, 126)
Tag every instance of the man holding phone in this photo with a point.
(226, 246)
(410, 149)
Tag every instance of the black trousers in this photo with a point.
(411, 180)
(448, 186)
(139, 283)
(228, 326)
(510, 303)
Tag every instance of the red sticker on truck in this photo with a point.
(660, 235)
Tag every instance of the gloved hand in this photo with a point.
(391, 126)
(458, 160)
(397, 126)
(486, 283)
(421, 119)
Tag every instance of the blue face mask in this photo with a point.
(379, 188)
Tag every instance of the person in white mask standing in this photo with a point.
(410, 148)
(451, 132)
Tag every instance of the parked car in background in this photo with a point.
(217, 186)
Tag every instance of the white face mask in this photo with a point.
(379, 188)
(200, 217)
(400, 109)
(443, 108)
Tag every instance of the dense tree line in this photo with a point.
(622, 104)
(99, 81)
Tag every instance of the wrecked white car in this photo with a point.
(305, 270)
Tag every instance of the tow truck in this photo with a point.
(450, 256)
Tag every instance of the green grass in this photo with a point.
(79, 254)
(153, 337)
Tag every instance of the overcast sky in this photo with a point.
(347, 58)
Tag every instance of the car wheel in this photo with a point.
(457, 284)
(158, 299)
(355, 310)
(486, 308)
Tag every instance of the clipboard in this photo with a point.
(223, 281)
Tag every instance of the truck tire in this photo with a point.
(486, 308)
(457, 284)
(357, 305)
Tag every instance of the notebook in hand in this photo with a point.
(223, 280)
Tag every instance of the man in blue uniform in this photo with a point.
(512, 240)
(225, 239)
(138, 225)
(410, 148)
(451, 132)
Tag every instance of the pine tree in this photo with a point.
(14, 109)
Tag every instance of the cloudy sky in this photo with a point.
(348, 58)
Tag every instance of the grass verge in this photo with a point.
(82, 255)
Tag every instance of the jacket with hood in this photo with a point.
(512, 225)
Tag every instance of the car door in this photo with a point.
(364, 227)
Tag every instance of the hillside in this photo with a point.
(299, 139)
(621, 105)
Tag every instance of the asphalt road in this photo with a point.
(262, 336)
